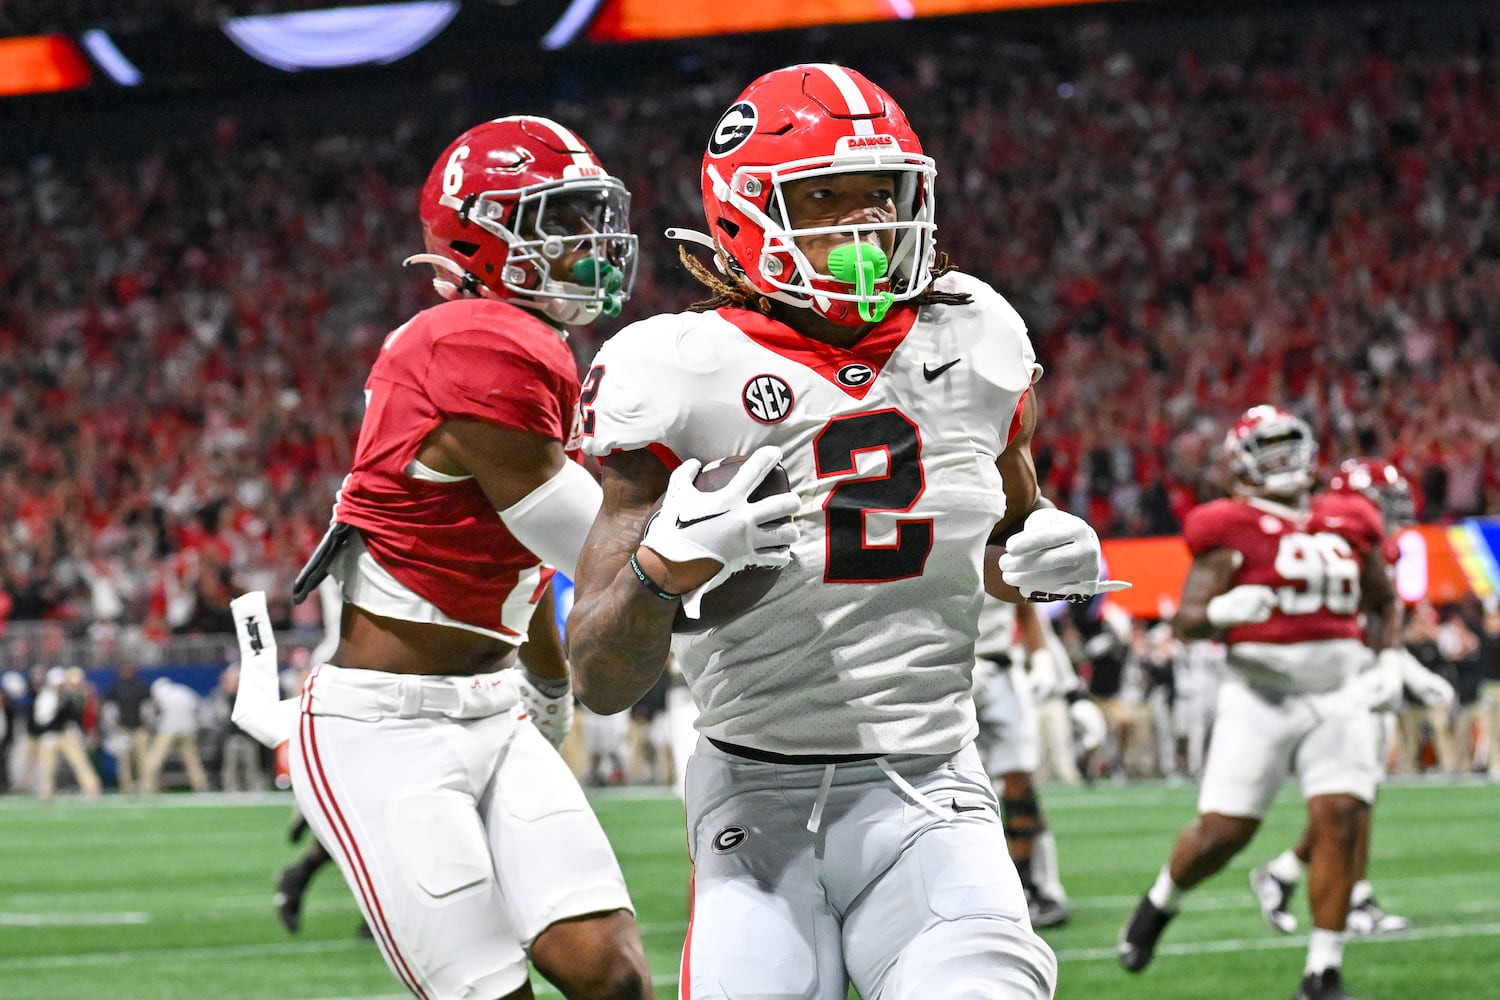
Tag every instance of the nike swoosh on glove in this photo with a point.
(552, 716)
(724, 525)
(1055, 556)
(1247, 604)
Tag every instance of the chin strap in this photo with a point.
(862, 265)
(691, 236)
(467, 283)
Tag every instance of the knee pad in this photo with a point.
(1022, 818)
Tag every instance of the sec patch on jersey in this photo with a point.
(745, 589)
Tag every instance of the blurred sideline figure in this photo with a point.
(1382, 484)
(1282, 574)
(58, 711)
(177, 708)
(240, 767)
(464, 836)
(129, 734)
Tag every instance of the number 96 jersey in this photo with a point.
(1311, 558)
(866, 643)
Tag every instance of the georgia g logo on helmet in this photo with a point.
(734, 127)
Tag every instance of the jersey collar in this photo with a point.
(874, 349)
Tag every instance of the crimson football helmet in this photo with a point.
(805, 121)
(1272, 453)
(1382, 484)
(510, 198)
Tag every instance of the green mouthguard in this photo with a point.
(861, 265)
(604, 276)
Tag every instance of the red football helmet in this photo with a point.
(1272, 453)
(807, 121)
(510, 197)
(1382, 484)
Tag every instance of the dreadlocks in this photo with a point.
(727, 294)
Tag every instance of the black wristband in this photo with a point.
(647, 582)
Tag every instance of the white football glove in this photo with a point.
(1088, 724)
(1430, 689)
(1379, 688)
(1247, 604)
(723, 525)
(553, 716)
(1055, 556)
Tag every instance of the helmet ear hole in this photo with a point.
(464, 248)
(729, 226)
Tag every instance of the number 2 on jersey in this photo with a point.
(1325, 569)
(851, 556)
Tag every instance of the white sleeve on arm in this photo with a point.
(258, 706)
(554, 519)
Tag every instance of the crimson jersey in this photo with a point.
(468, 359)
(1311, 558)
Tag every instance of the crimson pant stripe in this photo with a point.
(323, 792)
(685, 973)
(685, 969)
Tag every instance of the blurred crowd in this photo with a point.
(141, 730)
(1310, 220)
(60, 732)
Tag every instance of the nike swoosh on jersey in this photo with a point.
(964, 809)
(698, 520)
(931, 373)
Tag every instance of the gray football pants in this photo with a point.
(908, 892)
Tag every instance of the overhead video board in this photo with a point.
(640, 20)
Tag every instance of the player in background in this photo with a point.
(1381, 484)
(1020, 661)
(1283, 576)
(465, 838)
(841, 825)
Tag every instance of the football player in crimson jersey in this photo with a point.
(841, 825)
(465, 838)
(1380, 483)
(1283, 576)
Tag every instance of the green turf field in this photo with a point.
(171, 900)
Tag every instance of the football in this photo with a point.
(743, 590)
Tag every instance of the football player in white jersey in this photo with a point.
(841, 824)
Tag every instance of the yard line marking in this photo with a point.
(1277, 943)
(72, 919)
(180, 954)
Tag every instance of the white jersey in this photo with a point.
(866, 643)
(997, 629)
